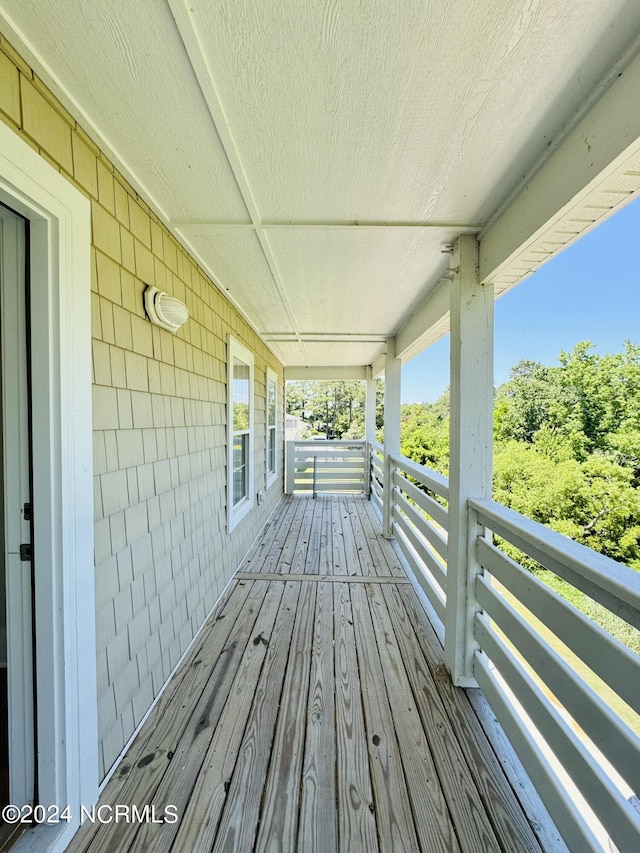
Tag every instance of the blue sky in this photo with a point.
(590, 291)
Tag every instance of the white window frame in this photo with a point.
(271, 475)
(235, 350)
(60, 259)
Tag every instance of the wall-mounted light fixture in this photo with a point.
(164, 310)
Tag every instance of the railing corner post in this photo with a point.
(290, 468)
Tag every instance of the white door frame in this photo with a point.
(60, 274)
(16, 492)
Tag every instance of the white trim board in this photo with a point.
(60, 260)
(16, 488)
(235, 513)
(271, 476)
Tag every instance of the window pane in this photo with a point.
(241, 390)
(271, 403)
(240, 469)
(272, 450)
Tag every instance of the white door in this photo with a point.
(16, 621)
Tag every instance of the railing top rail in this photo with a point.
(375, 445)
(433, 480)
(553, 549)
(323, 442)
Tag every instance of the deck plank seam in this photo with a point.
(358, 579)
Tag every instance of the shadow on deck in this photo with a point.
(314, 713)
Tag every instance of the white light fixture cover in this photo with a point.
(164, 310)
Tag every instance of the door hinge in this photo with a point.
(25, 552)
(26, 512)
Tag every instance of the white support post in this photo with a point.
(290, 471)
(370, 409)
(369, 427)
(392, 384)
(471, 447)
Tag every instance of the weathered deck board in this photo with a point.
(337, 537)
(266, 552)
(378, 579)
(508, 819)
(369, 567)
(318, 827)
(138, 775)
(197, 830)
(314, 714)
(355, 566)
(190, 747)
(382, 554)
(473, 828)
(391, 797)
(357, 824)
(312, 564)
(427, 798)
(290, 552)
(238, 826)
(325, 566)
(279, 821)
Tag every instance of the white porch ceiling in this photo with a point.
(317, 157)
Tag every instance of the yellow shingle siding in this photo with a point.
(162, 554)
(9, 89)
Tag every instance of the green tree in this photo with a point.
(424, 433)
(524, 403)
(567, 446)
(335, 408)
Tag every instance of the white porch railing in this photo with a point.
(581, 755)
(420, 521)
(327, 466)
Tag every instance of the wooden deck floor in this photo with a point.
(314, 714)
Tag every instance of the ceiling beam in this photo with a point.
(377, 368)
(602, 144)
(414, 335)
(341, 372)
(326, 337)
(295, 225)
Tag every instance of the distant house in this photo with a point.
(294, 428)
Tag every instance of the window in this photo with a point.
(272, 430)
(240, 432)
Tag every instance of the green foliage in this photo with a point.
(566, 454)
(593, 502)
(524, 403)
(240, 416)
(334, 408)
(567, 446)
(589, 401)
(424, 433)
